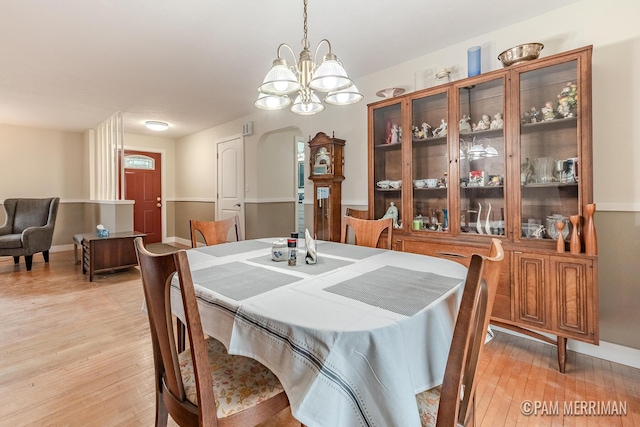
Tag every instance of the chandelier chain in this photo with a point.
(305, 41)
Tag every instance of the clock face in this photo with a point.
(321, 162)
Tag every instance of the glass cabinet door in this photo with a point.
(549, 150)
(482, 206)
(430, 163)
(387, 159)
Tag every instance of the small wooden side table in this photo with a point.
(116, 252)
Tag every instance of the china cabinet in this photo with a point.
(507, 153)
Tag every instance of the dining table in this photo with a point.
(352, 338)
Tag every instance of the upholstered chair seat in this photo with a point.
(239, 382)
(428, 402)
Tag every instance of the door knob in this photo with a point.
(158, 198)
(159, 205)
(237, 204)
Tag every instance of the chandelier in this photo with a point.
(305, 78)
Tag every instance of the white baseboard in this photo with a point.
(179, 240)
(62, 248)
(608, 351)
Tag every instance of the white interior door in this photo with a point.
(230, 192)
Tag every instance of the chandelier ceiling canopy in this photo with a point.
(306, 78)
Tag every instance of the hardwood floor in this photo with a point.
(75, 353)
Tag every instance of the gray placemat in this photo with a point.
(323, 265)
(239, 281)
(347, 251)
(233, 248)
(396, 289)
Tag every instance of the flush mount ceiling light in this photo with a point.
(304, 78)
(155, 125)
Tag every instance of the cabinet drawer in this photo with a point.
(459, 253)
(462, 254)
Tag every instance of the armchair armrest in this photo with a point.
(37, 239)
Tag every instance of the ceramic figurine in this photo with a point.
(483, 124)
(569, 94)
(565, 109)
(425, 130)
(442, 129)
(535, 115)
(497, 122)
(547, 112)
(479, 221)
(465, 126)
(394, 135)
(392, 212)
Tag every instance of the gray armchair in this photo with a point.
(28, 228)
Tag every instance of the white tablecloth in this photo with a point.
(346, 356)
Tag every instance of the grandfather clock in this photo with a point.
(327, 161)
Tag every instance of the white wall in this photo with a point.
(609, 26)
(41, 163)
(277, 165)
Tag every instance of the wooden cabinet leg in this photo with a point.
(562, 353)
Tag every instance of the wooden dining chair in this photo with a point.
(454, 401)
(214, 232)
(204, 385)
(367, 231)
(357, 213)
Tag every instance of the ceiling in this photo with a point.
(71, 64)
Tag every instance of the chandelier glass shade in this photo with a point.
(272, 102)
(475, 150)
(304, 78)
(349, 95)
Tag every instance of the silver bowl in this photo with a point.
(521, 53)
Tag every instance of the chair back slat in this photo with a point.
(214, 232)
(458, 388)
(204, 381)
(157, 272)
(367, 232)
(357, 213)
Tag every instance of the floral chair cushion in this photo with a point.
(238, 382)
(428, 402)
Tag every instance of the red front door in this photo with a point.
(144, 185)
